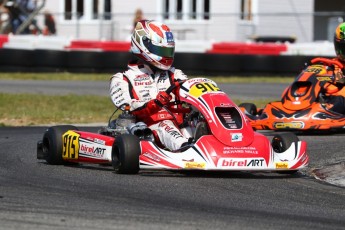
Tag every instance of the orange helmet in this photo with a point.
(339, 41)
(154, 43)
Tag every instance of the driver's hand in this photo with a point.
(163, 98)
(339, 77)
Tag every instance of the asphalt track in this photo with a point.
(34, 195)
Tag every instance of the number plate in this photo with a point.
(204, 87)
(70, 147)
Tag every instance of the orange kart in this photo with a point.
(303, 105)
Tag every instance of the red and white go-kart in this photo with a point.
(223, 140)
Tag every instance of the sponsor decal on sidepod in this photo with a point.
(92, 151)
(241, 162)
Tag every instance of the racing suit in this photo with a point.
(335, 91)
(138, 87)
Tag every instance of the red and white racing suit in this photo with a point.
(139, 85)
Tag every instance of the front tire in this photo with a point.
(52, 143)
(249, 108)
(125, 154)
(280, 143)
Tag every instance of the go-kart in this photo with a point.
(223, 140)
(303, 105)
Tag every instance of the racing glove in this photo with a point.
(163, 98)
(154, 105)
(339, 77)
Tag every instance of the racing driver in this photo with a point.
(142, 86)
(335, 91)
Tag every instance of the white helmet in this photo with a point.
(154, 43)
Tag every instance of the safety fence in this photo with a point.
(31, 42)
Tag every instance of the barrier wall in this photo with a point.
(12, 60)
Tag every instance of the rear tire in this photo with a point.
(250, 108)
(125, 154)
(52, 143)
(280, 143)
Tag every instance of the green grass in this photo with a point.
(31, 109)
(55, 76)
(105, 77)
(243, 79)
(34, 109)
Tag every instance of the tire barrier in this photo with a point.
(12, 60)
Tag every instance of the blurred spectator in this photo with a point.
(19, 12)
(4, 19)
(138, 16)
(49, 24)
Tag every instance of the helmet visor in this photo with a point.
(167, 52)
(340, 49)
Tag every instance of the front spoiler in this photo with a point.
(200, 157)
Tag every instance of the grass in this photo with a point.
(105, 77)
(34, 109)
(249, 80)
(55, 76)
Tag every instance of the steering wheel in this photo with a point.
(327, 62)
(173, 86)
(169, 90)
(170, 109)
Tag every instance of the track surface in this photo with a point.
(34, 195)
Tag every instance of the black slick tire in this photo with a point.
(125, 154)
(281, 142)
(52, 143)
